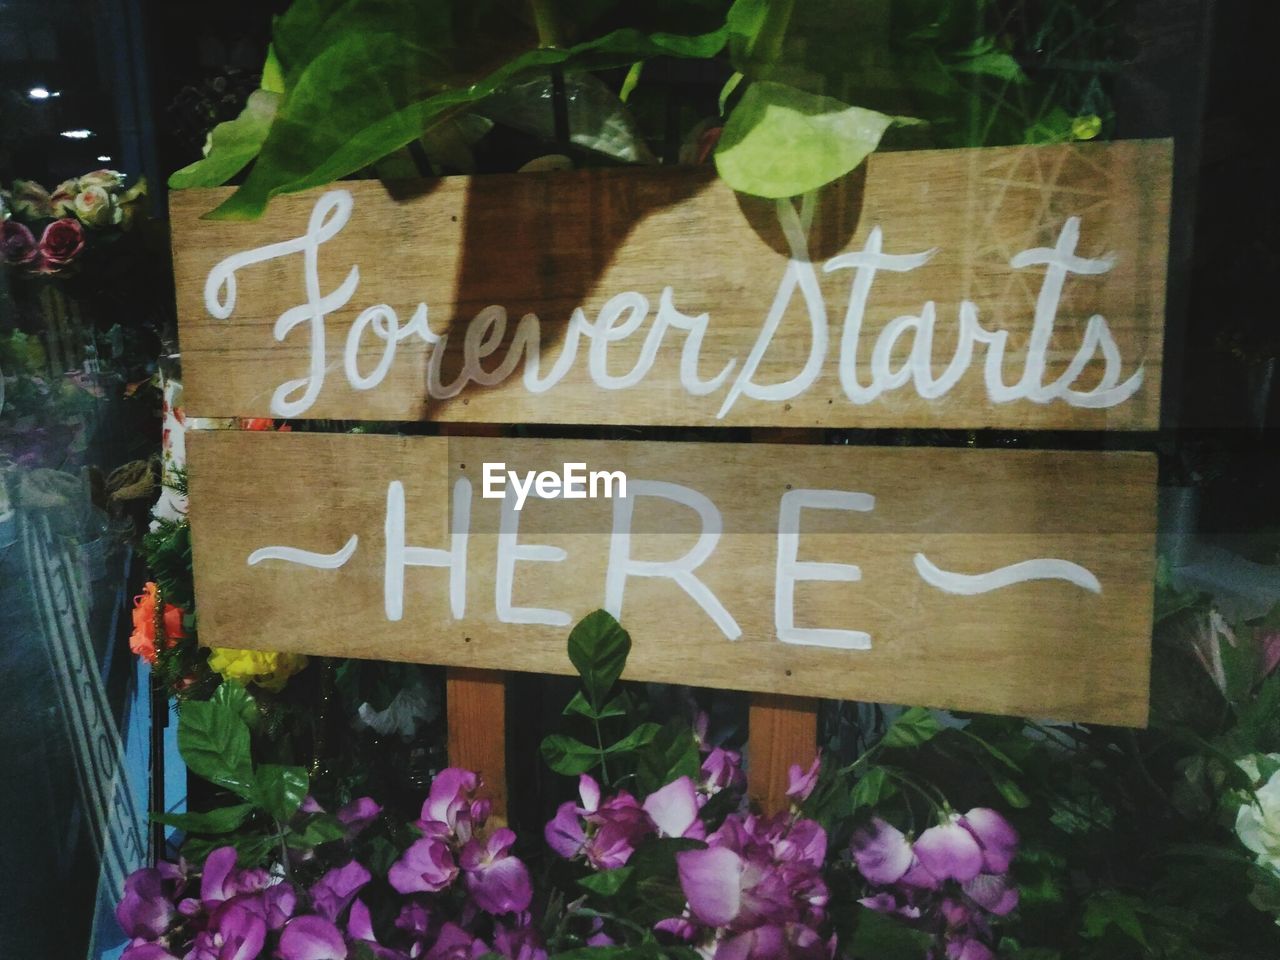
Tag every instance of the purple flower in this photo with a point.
(968, 949)
(332, 892)
(881, 852)
(950, 851)
(800, 782)
(994, 893)
(360, 930)
(311, 938)
(278, 903)
(454, 943)
(141, 950)
(358, 814)
(998, 840)
(606, 834)
(497, 881)
(147, 908)
(523, 943)
(427, 866)
(722, 770)
(674, 810)
(239, 934)
(17, 243)
(221, 880)
(450, 798)
(712, 883)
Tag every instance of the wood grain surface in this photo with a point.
(547, 244)
(1046, 648)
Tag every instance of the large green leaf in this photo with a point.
(567, 756)
(216, 821)
(231, 144)
(214, 742)
(782, 142)
(598, 649)
(366, 77)
(281, 790)
(912, 728)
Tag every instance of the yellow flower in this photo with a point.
(268, 669)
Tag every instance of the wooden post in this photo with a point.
(477, 717)
(476, 700)
(781, 731)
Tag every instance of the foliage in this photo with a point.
(809, 89)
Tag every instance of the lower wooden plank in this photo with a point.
(1003, 581)
(782, 731)
(476, 701)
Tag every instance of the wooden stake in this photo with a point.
(782, 730)
(477, 717)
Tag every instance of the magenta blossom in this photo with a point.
(238, 934)
(311, 938)
(881, 852)
(331, 894)
(497, 881)
(454, 943)
(674, 810)
(148, 906)
(358, 814)
(606, 834)
(950, 851)
(800, 782)
(60, 244)
(427, 867)
(722, 770)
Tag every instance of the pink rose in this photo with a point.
(17, 243)
(62, 242)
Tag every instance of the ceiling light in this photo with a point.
(104, 159)
(77, 134)
(39, 93)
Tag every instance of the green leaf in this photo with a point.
(879, 937)
(218, 820)
(617, 707)
(365, 79)
(1108, 909)
(234, 697)
(670, 755)
(214, 742)
(607, 882)
(232, 144)
(912, 728)
(639, 737)
(280, 790)
(567, 756)
(322, 829)
(1012, 793)
(782, 142)
(870, 788)
(598, 649)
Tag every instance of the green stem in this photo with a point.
(544, 19)
(765, 48)
(604, 766)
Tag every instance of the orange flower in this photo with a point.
(143, 639)
(262, 423)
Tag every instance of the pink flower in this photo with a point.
(427, 867)
(722, 770)
(60, 244)
(17, 243)
(996, 837)
(881, 852)
(949, 851)
(332, 892)
(358, 814)
(800, 782)
(674, 810)
(311, 938)
(497, 881)
(606, 834)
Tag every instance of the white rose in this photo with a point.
(95, 208)
(107, 179)
(1258, 822)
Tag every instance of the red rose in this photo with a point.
(17, 243)
(62, 242)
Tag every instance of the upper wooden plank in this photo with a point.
(548, 244)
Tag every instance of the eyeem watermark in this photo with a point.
(573, 482)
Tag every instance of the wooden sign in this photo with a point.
(1016, 287)
(1002, 581)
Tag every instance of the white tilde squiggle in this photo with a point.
(1041, 568)
(307, 558)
